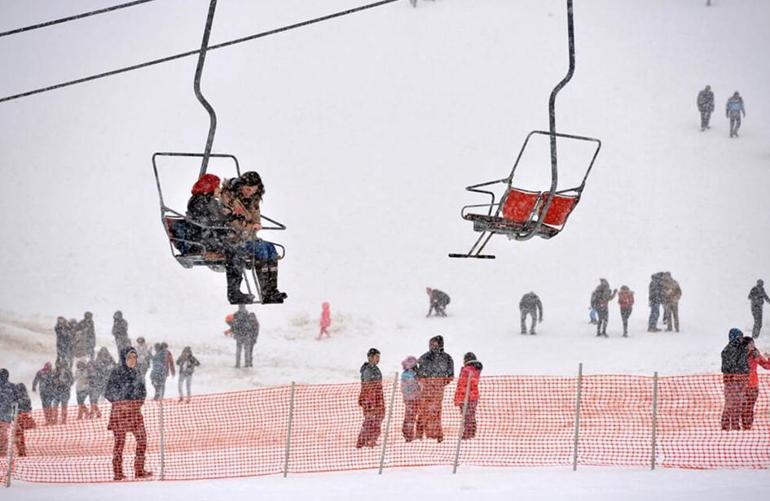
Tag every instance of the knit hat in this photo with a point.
(469, 357)
(206, 185)
(734, 334)
(409, 363)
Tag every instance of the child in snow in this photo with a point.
(626, 301)
(326, 321)
(410, 390)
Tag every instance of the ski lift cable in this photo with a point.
(73, 18)
(193, 52)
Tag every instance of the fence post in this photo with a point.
(577, 416)
(462, 423)
(387, 422)
(288, 432)
(161, 424)
(654, 418)
(12, 443)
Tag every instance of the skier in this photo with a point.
(735, 377)
(410, 390)
(126, 391)
(600, 299)
(326, 320)
(438, 301)
(672, 293)
(435, 370)
(120, 331)
(655, 299)
(44, 378)
(371, 400)
(626, 301)
(531, 305)
(733, 111)
(753, 359)
(471, 371)
(757, 296)
(705, 106)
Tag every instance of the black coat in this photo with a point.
(758, 296)
(22, 398)
(7, 399)
(125, 383)
(735, 358)
(531, 302)
(64, 340)
(439, 298)
(656, 289)
(241, 325)
(208, 212)
(705, 100)
(435, 364)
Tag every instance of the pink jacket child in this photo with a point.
(326, 320)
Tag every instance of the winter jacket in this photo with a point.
(672, 293)
(208, 212)
(472, 371)
(86, 327)
(7, 397)
(162, 366)
(187, 365)
(735, 107)
(531, 302)
(22, 398)
(439, 298)
(326, 318)
(602, 296)
(81, 380)
(626, 299)
(370, 396)
(103, 367)
(758, 296)
(253, 332)
(80, 346)
(64, 340)
(44, 377)
(120, 333)
(755, 358)
(705, 100)
(126, 391)
(734, 358)
(62, 382)
(241, 325)
(143, 354)
(436, 364)
(410, 388)
(656, 289)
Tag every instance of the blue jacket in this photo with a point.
(410, 389)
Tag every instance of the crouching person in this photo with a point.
(471, 371)
(126, 391)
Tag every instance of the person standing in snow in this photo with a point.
(705, 106)
(735, 377)
(187, 364)
(88, 331)
(655, 300)
(250, 341)
(438, 301)
(126, 391)
(672, 293)
(757, 296)
(7, 399)
(44, 378)
(733, 110)
(62, 385)
(435, 370)
(326, 320)
(371, 400)
(471, 371)
(530, 305)
(753, 358)
(241, 327)
(626, 302)
(600, 299)
(410, 390)
(103, 366)
(64, 341)
(162, 367)
(120, 331)
(144, 356)
(24, 419)
(82, 389)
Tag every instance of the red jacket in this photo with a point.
(326, 320)
(472, 370)
(626, 299)
(755, 358)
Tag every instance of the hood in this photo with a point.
(475, 364)
(124, 353)
(734, 334)
(440, 341)
(3, 376)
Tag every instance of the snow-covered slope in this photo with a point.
(366, 129)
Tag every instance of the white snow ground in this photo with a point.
(366, 130)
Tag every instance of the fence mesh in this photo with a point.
(521, 421)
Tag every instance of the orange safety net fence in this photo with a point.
(521, 421)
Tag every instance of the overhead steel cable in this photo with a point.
(194, 52)
(73, 18)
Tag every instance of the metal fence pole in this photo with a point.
(11, 443)
(387, 422)
(161, 424)
(462, 423)
(654, 418)
(577, 415)
(288, 431)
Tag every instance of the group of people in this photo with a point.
(423, 382)
(244, 329)
(222, 220)
(734, 110)
(75, 338)
(740, 359)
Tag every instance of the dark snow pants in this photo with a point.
(469, 431)
(735, 123)
(429, 413)
(652, 324)
(371, 427)
(524, 313)
(705, 116)
(735, 395)
(624, 314)
(756, 312)
(117, 452)
(671, 312)
(410, 419)
(747, 415)
(604, 317)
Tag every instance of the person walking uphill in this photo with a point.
(410, 390)
(733, 110)
(471, 371)
(757, 296)
(371, 400)
(435, 370)
(600, 300)
(531, 305)
(735, 377)
(126, 391)
(438, 301)
(705, 106)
